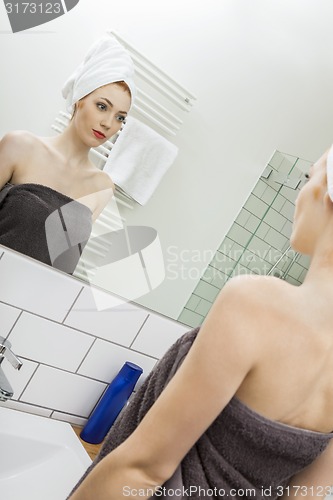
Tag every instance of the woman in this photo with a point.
(40, 175)
(248, 411)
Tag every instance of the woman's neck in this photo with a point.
(320, 273)
(71, 147)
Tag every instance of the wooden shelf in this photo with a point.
(91, 449)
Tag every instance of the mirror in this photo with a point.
(258, 241)
(262, 84)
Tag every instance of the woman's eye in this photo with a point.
(101, 106)
(122, 118)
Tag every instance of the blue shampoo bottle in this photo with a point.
(111, 403)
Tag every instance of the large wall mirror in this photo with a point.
(263, 81)
(258, 241)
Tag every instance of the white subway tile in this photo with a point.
(105, 360)
(157, 335)
(114, 322)
(63, 391)
(49, 342)
(18, 379)
(36, 287)
(8, 317)
(71, 419)
(18, 405)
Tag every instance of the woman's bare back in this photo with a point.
(292, 382)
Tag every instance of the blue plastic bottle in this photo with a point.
(111, 403)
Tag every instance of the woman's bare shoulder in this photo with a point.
(255, 289)
(18, 143)
(259, 298)
(19, 137)
(105, 181)
(250, 306)
(15, 150)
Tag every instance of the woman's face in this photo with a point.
(100, 115)
(309, 216)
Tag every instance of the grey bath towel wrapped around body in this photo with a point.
(44, 224)
(241, 455)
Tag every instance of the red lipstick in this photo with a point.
(98, 134)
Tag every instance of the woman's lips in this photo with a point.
(98, 134)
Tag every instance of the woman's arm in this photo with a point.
(224, 352)
(316, 480)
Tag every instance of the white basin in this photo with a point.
(40, 458)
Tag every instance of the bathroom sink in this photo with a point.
(40, 458)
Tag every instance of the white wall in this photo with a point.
(261, 70)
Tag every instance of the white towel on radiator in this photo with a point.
(139, 160)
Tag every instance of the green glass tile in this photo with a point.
(190, 318)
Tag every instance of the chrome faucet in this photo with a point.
(6, 391)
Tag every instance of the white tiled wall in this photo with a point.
(156, 336)
(72, 339)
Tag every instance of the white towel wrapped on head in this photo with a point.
(139, 159)
(107, 61)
